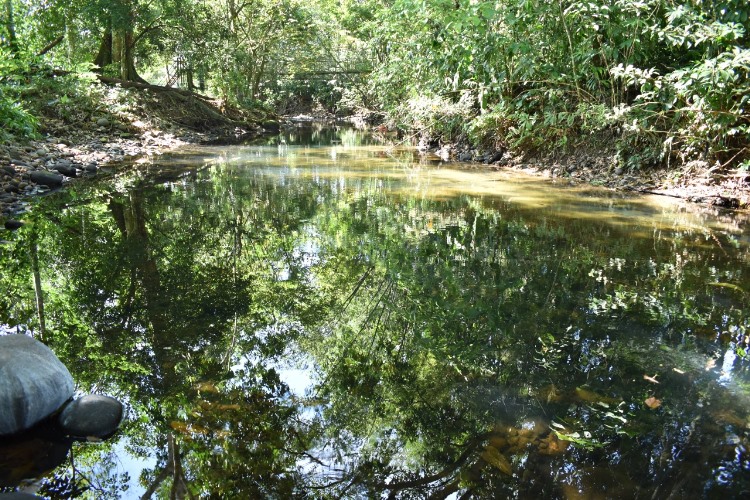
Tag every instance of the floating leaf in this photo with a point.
(731, 286)
(593, 397)
(206, 387)
(651, 379)
(576, 439)
(681, 372)
(618, 417)
(653, 403)
(497, 460)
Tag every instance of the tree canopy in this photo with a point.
(662, 79)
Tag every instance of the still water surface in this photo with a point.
(320, 316)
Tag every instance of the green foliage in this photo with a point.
(15, 118)
(661, 79)
(17, 122)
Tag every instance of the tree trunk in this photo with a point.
(257, 78)
(118, 47)
(189, 78)
(38, 292)
(126, 57)
(71, 38)
(104, 56)
(10, 25)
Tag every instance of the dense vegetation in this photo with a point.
(660, 80)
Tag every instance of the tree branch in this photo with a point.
(54, 43)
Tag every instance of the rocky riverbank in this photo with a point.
(39, 166)
(696, 181)
(121, 124)
(157, 120)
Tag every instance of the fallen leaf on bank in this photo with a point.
(651, 379)
(653, 403)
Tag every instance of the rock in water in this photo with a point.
(91, 416)
(33, 383)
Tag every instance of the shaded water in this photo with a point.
(322, 316)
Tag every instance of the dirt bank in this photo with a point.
(130, 120)
(125, 122)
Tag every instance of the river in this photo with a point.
(318, 315)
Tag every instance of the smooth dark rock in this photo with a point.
(91, 415)
(465, 156)
(19, 163)
(67, 170)
(102, 122)
(497, 156)
(34, 383)
(46, 178)
(13, 224)
(90, 168)
(725, 202)
(7, 169)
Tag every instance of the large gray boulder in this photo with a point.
(33, 383)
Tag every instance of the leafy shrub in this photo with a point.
(436, 117)
(15, 119)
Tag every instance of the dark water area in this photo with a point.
(317, 315)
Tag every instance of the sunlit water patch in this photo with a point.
(321, 315)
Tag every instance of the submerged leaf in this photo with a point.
(653, 403)
(593, 397)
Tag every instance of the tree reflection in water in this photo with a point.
(455, 344)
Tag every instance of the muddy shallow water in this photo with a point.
(322, 316)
